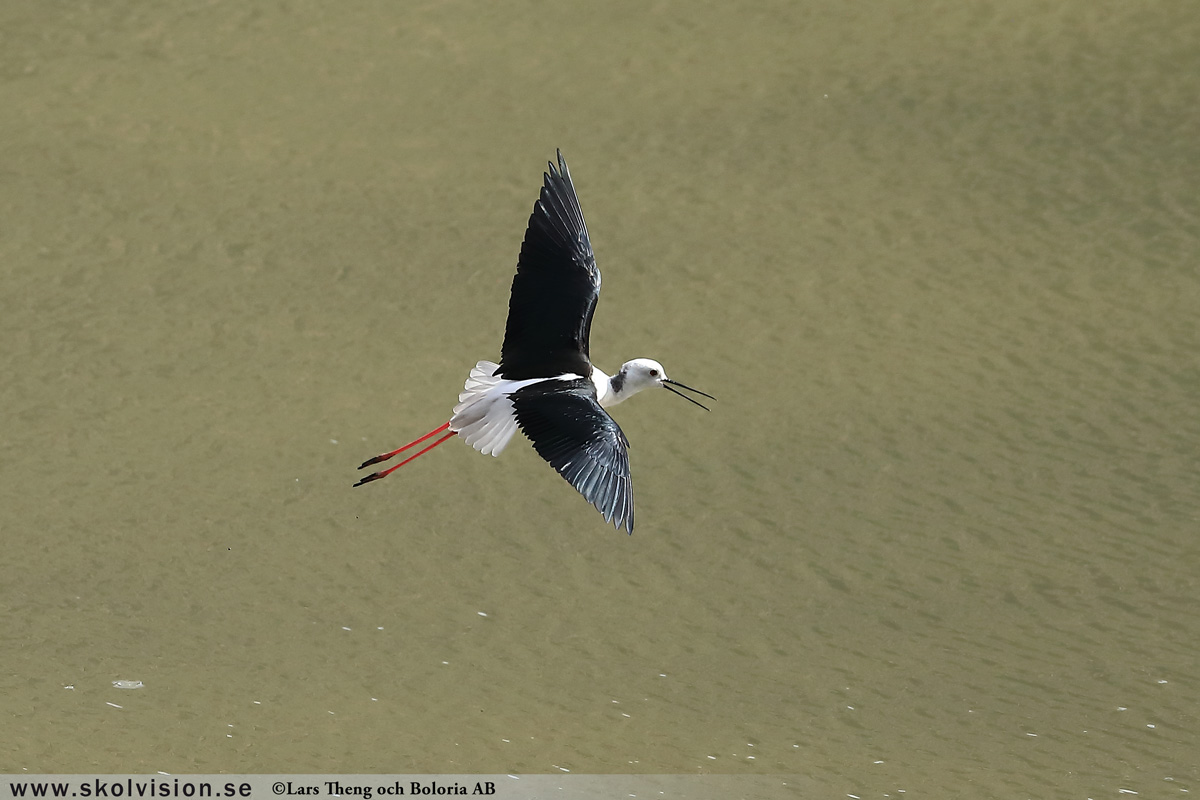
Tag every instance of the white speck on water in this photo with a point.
(1150, 725)
(114, 705)
(556, 766)
(345, 628)
(1126, 791)
(481, 613)
(1160, 683)
(333, 441)
(127, 684)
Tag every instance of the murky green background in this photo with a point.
(939, 261)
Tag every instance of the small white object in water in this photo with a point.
(128, 684)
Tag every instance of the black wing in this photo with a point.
(555, 289)
(581, 441)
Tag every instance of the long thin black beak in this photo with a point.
(669, 386)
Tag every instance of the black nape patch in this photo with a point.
(618, 381)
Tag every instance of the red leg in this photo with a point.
(374, 476)
(395, 453)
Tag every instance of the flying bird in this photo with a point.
(545, 383)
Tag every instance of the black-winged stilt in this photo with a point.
(545, 382)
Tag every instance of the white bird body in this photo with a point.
(486, 419)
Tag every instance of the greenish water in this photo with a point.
(938, 261)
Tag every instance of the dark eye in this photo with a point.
(653, 373)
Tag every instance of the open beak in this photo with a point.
(669, 386)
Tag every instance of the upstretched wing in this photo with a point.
(555, 289)
(581, 441)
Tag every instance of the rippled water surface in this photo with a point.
(938, 261)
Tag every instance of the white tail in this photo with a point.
(484, 415)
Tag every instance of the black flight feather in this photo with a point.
(581, 441)
(555, 289)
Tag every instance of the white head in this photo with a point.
(641, 373)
